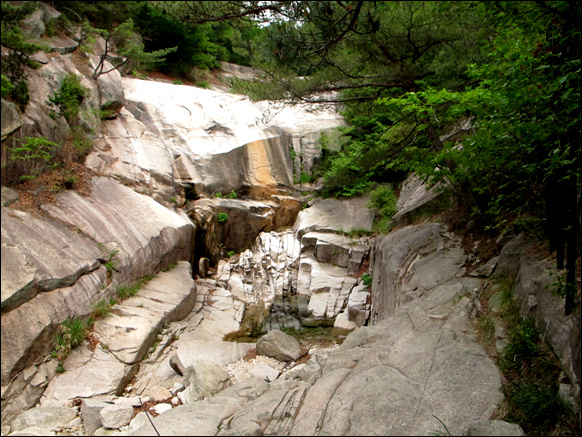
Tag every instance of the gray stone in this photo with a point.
(116, 415)
(159, 393)
(48, 417)
(176, 364)
(11, 118)
(203, 266)
(110, 89)
(33, 25)
(204, 418)
(90, 413)
(278, 345)
(263, 370)
(494, 428)
(331, 215)
(414, 198)
(9, 196)
(204, 379)
(62, 45)
(33, 431)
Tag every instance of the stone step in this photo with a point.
(125, 336)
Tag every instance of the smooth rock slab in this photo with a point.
(48, 418)
(39, 254)
(199, 418)
(494, 428)
(142, 229)
(331, 215)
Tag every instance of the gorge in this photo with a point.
(195, 196)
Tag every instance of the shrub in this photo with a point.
(70, 334)
(69, 97)
(384, 201)
(33, 149)
(7, 87)
(367, 279)
(222, 217)
(34, 154)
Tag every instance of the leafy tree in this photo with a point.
(130, 51)
(524, 155)
(193, 43)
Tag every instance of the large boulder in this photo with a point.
(11, 118)
(204, 379)
(48, 418)
(276, 344)
(111, 92)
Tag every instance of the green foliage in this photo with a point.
(312, 335)
(130, 51)
(222, 217)
(367, 279)
(202, 42)
(126, 291)
(33, 149)
(384, 201)
(112, 261)
(307, 178)
(203, 84)
(7, 87)
(230, 253)
(101, 308)
(33, 155)
(69, 335)
(232, 195)
(530, 369)
(486, 328)
(196, 46)
(171, 266)
(69, 97)
(16, 51)
(357, 233)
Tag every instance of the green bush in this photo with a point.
(384, 201)
(33, 149)
(69, 335)
(7, 87)
(69, 97)
(367, 279)
(34, 155)
(222, 217)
